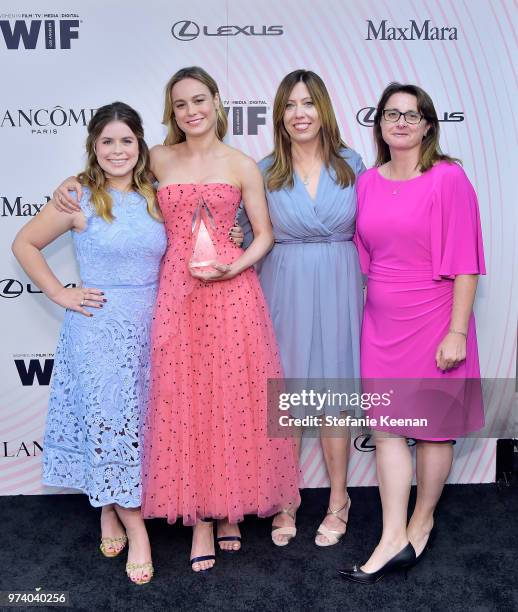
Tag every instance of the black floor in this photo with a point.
(51, 542)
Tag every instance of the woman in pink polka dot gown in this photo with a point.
(207, 450)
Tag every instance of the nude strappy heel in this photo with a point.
(333, 536)
(290, 532)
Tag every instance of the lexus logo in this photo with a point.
(365, 116)
(362, 443)
(10, 288)
(185, 30)
(365, 444)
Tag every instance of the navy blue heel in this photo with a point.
(229, 539)
(203, 557)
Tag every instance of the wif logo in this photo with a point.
(245, 116)
(31, 369)
(48, 31)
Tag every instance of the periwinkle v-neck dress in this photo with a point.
(312, 280)
(414, 237)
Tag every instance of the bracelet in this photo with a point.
(456, 331)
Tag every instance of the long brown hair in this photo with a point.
(174, 133)
(430, 152)
(93, 175)
(280, 172)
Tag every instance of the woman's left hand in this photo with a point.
(220, 272)
(451, 351)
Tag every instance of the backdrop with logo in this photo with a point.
(60, 60)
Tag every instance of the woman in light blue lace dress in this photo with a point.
(101, 371)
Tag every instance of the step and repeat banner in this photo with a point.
(60, 60)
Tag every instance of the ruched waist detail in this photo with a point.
(387, 274)
(341, 237)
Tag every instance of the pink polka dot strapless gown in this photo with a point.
(207, 450)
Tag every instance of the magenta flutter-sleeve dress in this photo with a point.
(414, 237)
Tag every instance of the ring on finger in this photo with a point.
(82, 303)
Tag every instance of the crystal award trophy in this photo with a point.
(204, 254)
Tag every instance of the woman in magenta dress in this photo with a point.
(207, 452)
(420, 245)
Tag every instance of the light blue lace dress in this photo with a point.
(101, 371)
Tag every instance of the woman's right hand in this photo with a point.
(63, 200)
(75, 298)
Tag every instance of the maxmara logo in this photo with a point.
(39, 30)
(414, 31)
(16, 207)
(186, 30)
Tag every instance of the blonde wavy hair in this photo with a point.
(280, 172)
(174, 133)
(93, 175)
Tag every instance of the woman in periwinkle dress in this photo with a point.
(102, 367)
(420, 244)
(311, 278)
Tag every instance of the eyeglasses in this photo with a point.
(392, 115)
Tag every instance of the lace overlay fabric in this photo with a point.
(101, 374)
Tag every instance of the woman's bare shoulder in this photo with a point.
(241, 161)
(164, 151)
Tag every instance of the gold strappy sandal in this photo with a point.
(147, 569)
(107, 543)
(291, 532)
(333, 536)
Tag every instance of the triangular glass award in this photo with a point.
(204, 254)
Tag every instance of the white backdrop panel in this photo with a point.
(61, 61)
